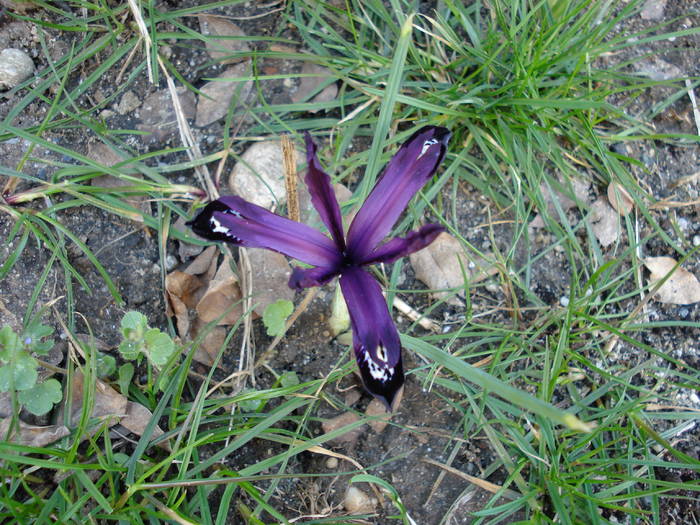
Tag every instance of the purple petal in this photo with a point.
(375, 338)
(322, 195)
(407, 172)
(309, 277)
(233, 219)
(403, 246)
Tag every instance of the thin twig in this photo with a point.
(693, 102)
(289, 161)
(481, 483)
(414, 315)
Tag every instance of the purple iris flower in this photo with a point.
(375, 338)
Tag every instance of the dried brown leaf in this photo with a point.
(137, 418)
(223, 294)
(682, 287)
(180, 288)
(157, 114)
(605, 222)
(311, 84)
(620, 199)
(204, 264)
(210, 345)
(31, 435)
(270, 278)
(550, 196)
(108, 403)
(215, 98)
(220, 49)
(440, 266)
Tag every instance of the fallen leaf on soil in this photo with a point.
(210, 345)
(682, 287)
(107, 402)
(179, 290)
(348, 438)
(157, 114)
(580, 190)
(358, 502)
(311, 84)
(221, 49)
(605, 222)
(216, 96)
(657, 69)
(222, 295)
(137, 418)
(377, 408)
(19, 6)
(269, 279)
(258, 176)
(204, 264)
(30, 435)
(439, 266)
(108, 157)
(620, 199)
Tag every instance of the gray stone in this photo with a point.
(16, 66)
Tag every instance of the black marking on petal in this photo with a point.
(380, 379)
(205, 225)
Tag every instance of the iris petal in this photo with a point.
(407, 172)
(375, 338)
(322, 195)
(309, 277)
(234, 220)
(403, 246)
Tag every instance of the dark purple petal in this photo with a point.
(322, 195)
(375, 338)
(402, 246)
(309, 277)
(407, 172)
(234, 220)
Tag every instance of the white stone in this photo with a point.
(16, 66)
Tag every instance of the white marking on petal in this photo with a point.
(218, 227)
(426, 146)
(379, 372)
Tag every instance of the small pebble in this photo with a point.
(357, 502)
(332, 463)
(170, 262)
(16, 66)
(696, 240)
(564, 301)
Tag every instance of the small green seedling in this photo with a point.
(275, 316)
(139, 340)
(18, 368)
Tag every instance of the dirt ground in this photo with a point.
(129, 253)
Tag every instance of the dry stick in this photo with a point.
(289, 162)
(143, 30)
(693, 102)
(482, 483)
(414, 315)
(290, 182)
